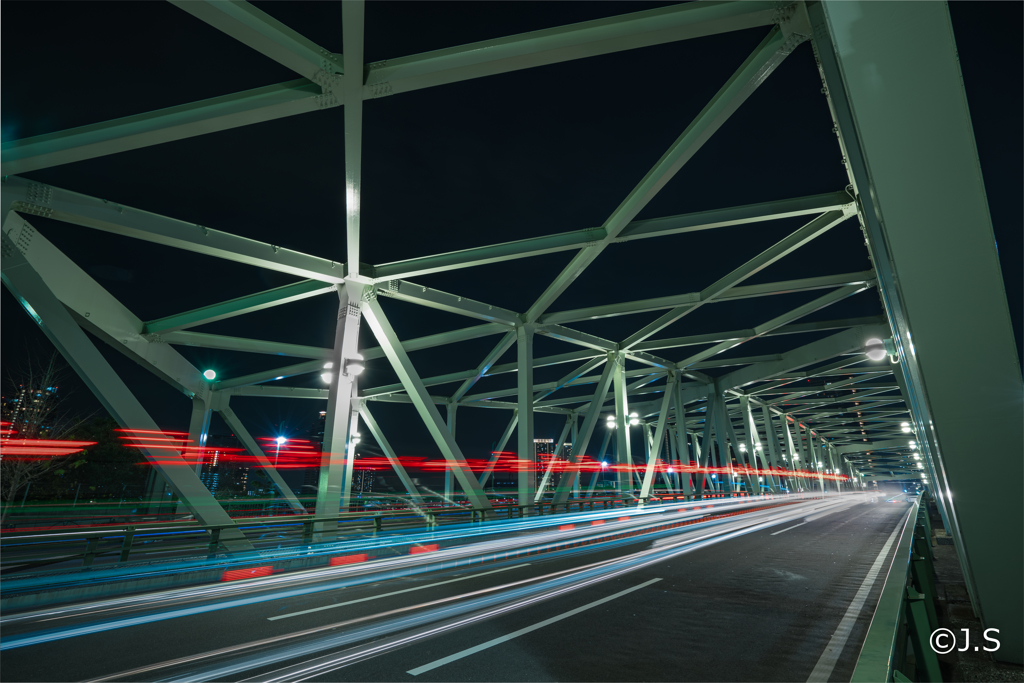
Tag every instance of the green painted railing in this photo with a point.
(906, 611)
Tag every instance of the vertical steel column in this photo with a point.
(622, 446)
(335, 485)
(572, 447)
(449, 482)
(527, 451)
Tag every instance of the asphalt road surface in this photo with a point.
(765, 596)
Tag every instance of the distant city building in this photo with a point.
(27, 410)
(222, 471)
(548, 450)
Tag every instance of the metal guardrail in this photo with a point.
(906, 611)
(41, 548)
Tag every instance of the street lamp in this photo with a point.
(354, 366)
(280, 442)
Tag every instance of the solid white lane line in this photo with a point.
(515, 634)
(788, 528)
(386, 595)
(827, 662)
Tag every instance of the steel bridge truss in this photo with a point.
(692, 417)
(747, 418)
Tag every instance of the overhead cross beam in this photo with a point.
(768, 55)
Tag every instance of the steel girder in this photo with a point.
(326, 85)
(947, 194)
(36, 297)
(417, 392)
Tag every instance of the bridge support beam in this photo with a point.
(40, 302)
(335, 485)
(903, 119)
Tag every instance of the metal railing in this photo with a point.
(906, 611)
(42, 548)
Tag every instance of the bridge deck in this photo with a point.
(760, 606)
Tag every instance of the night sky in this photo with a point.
(506, 157)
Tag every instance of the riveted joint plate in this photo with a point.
(32, 209)
(378, 90)
(795, 25)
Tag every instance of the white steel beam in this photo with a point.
(527, 449)
(442, 301)
(389, 452)
(577, 239)
(239, 306)
(268, 36)
(580, 445)
(43, 306)
(337, 456)
(768, 55)
(424, 403)
(216, 341)
(694, 299)
(268, 103)
(31, 198)
(776, 322)
(777, 251)
(564, 43)
(844, 342)
(659, 439)
(485, 366)
(352, 86)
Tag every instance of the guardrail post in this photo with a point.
(126, 545)
(917, 615)
(214, 542)
(90, 551)
(378, 524)
(307, 532)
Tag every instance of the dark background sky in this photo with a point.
(506, 157)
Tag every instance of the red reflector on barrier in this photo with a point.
(254, 572)
(596, 522)
(423, 549)
(349, 559)
(566, 527)
(623, 519)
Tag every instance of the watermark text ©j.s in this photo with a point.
(944, 641)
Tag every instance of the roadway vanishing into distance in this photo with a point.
(754, 589)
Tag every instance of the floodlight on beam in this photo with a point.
(877, 349)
